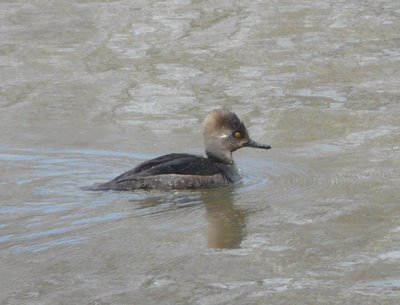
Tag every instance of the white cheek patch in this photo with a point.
(224, 136)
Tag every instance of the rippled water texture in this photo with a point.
(88, 89)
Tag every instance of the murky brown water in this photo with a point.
(91, 88)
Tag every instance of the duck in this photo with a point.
(223, 134)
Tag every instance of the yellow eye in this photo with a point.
(237, 135)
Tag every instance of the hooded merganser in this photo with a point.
(223, 134)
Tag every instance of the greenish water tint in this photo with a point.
(90, 89)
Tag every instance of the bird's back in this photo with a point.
(174, 171)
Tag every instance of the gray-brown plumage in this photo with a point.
(223, 134)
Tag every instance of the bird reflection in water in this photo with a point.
(226, 223)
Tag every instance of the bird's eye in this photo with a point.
(237, 135)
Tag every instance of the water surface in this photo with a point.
(89, 89)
